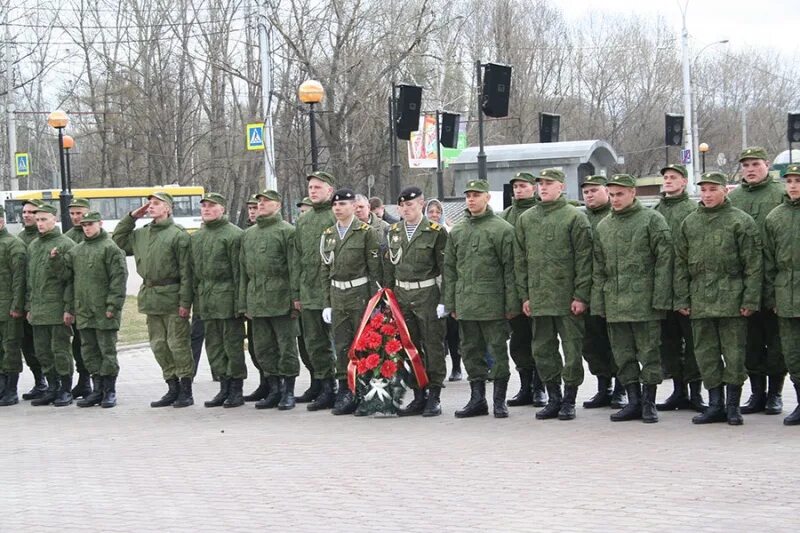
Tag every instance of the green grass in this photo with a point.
(133, 328)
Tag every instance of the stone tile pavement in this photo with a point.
(139, 469)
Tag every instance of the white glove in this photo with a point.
(441, 312)
(327, 315)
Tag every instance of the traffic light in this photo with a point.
(793, 132)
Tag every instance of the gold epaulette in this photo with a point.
(395, 226)
(329, 231)
(435, 226)
(364, 225)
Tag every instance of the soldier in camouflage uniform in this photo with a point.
(378, 224)
(13, 261)
(262, 390)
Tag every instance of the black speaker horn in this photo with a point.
(496, 90)
(549, 124)
(793, 131)
(449, 134)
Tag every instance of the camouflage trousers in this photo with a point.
(99, 348)
(478, 337)
(597, 347)
(225, 347)
(790, 342)
(171, 344)
(719, 346)
(426, 330)
(546, 332)
(763, 355)
(520, 345)
(317, 338)
(10, 346)
(677, 348)
(54, 349)
(637, 351)
(276, 345)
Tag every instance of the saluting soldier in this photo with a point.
(718, 281)
(268, 291)
(531, 388)
(554, 276)
(49, 304)
(632, 288)
(413, 261)
(782, 284)
(215, 274)
(677, 346)
(13, 264)
(757, 195)
(351, 264)
(316, 331)
(163, 260)
(596, 346)
(98, 272)
(481, 294)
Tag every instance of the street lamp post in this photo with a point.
(59, 120)
(311, 92)
(703, 149)
(69, 143)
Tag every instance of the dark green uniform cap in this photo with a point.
(791, 170)
(253, 200)
(215, 198)
(623, 180)
(677, 168)
(79, 202)
(269, 194)
(551, 174)
(595, 180)
(713, 177)
(91, 216)
(46, 208)
(323, 176)
(524, 176)
(477, 186)
(163, 196)
(35, 203)
(305, 201)
(753, 152)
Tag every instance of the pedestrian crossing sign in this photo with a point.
(255, 136)
(23, 164)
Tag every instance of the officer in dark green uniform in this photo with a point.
(531, 390)
(632, 288)
(13, 261)
(351, 264)
(718, 281)
(413, 261)
(268, 291)
(554, 276)
(757, 195)
(215, 266)
(596, 346)
(782, 283)
(481, 294)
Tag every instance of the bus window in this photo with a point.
(14, 211)
(196, 205)
(104, 206)
(182, 206)
(127, 204)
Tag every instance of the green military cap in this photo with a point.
(477, 186)
(713, 177)
(79, 202)
(623, 180)
(551, 174)
(269, 194)
(524, 176)
(253, 200)
(323, 176)
(33, 202)
(91, 216)
(595, 180)
(214, 197)
(305, 201)
(677, 168)
(753, 152)
(791, 170)
(163, 196)
(46, 208)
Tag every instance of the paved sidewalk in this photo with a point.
(139, 469)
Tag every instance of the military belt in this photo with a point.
(161, 282)
(411, 285)
(353, 283)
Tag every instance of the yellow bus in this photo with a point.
(112, 203)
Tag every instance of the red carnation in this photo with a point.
(372, 361)
(360, 345)
(393, 346)
(376, 321)
(361, 366)
(372, 340)
(388, 329)
(388, 368)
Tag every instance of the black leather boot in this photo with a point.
(185, 398)
(109, 392)
(499, 407)
(715, 412)
(235, 394)
(83, 388)
(311, 392)
(261, 392)
(64, 397)
(288, 400)
(96, 396)
(649, 412)
(758, 397)
(539, 394)
(271, 400)
(346, 401)
(476, 406)
(170, 396)
(733, 411)
(774, 396)
(567, 411)
(553, 405)
(416, 406)
(9, 396)
(619, 398)
(433, 406)
(603, 396)
(39, 387)
(49, 396)
(696, 396)
(632, 411)
(325, 398)
(222, 395)
(525, 394)
(794, 418)
(679, 399)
